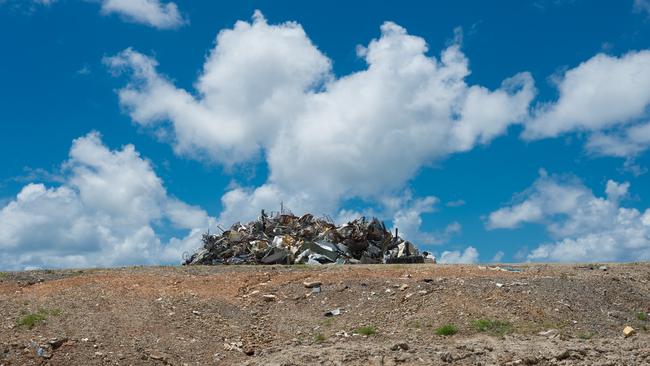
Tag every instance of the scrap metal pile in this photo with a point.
(287, 239)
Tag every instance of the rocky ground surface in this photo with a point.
(389, 314)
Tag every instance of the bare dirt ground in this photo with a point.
(545, 315)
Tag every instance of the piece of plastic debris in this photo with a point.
(628, 331)
(548, 332)
(333, 312)
(282, 238)
(312, 284)
(499, 285)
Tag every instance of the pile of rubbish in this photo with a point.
(282, 238)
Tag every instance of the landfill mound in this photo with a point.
(283, 238)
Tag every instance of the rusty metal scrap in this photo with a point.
(283, 238)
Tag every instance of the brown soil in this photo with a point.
(219, 315)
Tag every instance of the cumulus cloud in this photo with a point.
(408, 219)
(605, 96)
(105, 212)
(267, 92)
(469, 255)
(498, 256)
(149, 12)
(584, 227)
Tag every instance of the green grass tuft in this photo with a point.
(3, 275)
(447, 330)
(642, 315)
(495, 327)
(367, 331)
(30, 320)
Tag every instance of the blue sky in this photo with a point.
(510, 131)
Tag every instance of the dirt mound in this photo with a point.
(364, 314)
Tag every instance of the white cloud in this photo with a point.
(498, 256)
(642, 6)
(407, 217)
(605, 96)
(456, 203)
(547, 197)
(585, 227)
(469, 255)
(267, 91)
(104, 213)
(149, 12)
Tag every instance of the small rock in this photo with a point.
(515, 362)
(400, 346)
(195, 312)
(56, 342)
(403, 287)
(312, 284)
(269, 297)
(446, 357)
(499, 285)
(157, 356)
(628, 331)
(530, 360)
(563, 355)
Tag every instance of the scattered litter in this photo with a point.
(333, 312)
(282, 238)
(312, 284)
(628, 331)
(499, 285)
(548, 333)
(593, 267)
(506, 269)
(315, 290)
(403, 287)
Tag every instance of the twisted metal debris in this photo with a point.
(282, 238)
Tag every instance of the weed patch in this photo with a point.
(447, 330)
(367, 331)
(494, 327)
